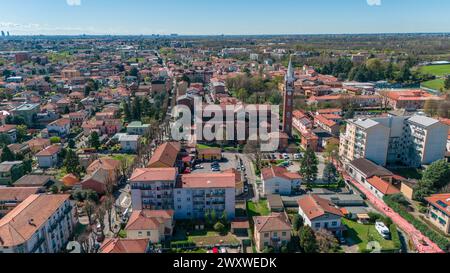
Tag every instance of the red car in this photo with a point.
(187, 171)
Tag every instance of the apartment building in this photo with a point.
(364, 139)
(152, 188)
(408, 141)
(201, 193)
(40, 224)
(278, 180)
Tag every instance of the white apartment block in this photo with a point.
(40, 224)
(199, 194)
(409, 141)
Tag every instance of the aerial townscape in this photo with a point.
(90, 161)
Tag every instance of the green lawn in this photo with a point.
(121, 157)
(437, 70)
(204, 146)
(202, 238)
(363, 234)
(436, 84)
(257, 209)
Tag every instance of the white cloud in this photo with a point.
(73, 2)
(374, 2)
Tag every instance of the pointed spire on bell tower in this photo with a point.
(290, 75)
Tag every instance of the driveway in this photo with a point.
(422, 243)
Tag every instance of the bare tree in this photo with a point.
(101, 214)
(89, 208)
(108, 205)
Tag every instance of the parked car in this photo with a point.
(200, 167)
(383, 230)
(297, 156)
(285, 156)
(187, 171)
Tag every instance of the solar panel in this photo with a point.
(442, 204)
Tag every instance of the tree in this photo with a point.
(137, 111)
(297, 222)
(435, 177)
(55, 140)
(72, 163)
(7, 155)
(127, 112)
(326, 241)
(330, 173)
(94, 140)
(134, 72)
(308, 168)
(21, 132)
(224, 218)
(219, 227)
(447, 82)
(28, 165)
(101, 214)
(431, 107)
(71, 144)
(308, 241)
(108, 205)
(332, 151)
(4, 140)
(89, 209)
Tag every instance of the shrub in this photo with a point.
(394, 236)
(122, 234)
(219, 227)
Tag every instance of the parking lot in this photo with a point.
(229, 161)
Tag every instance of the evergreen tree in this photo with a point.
(137, 111)
(94, 140)
(127, 112)
(7, 155)
(308, 241)
(330, 173)
(308, 168)
(447, 82)
(72, 163)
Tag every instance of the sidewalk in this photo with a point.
(422, 243)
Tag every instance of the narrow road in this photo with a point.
(422, 243)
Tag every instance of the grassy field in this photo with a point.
(437, 70)
(203, 238)
(257, 209)
(121, 157)
(436, 84)
(363, 234)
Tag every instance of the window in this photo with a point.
(283, 233)
(317, 225)
(275, 234)
(148, 233)
(266, 235)
(140, 233)
(334, 223)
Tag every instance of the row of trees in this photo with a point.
(140, 109)
(373, 70)
(440, 108)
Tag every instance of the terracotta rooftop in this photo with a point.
(313, 206)
(166, 154)
(273, 222)
(153, 174)
(119, 245)
(275, 171)
(209, 180)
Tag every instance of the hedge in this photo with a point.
(438, 239)
(395, 237)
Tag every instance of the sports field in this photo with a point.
(434, 84)
(437, 70)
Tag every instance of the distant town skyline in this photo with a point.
(231, 17)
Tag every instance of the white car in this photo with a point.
(383, 230)
(297, 156)
(285, 156)
(200, 167)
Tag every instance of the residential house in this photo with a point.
(43, 182)
(272, 231)
(124, 246)
(165, 156)
(60, 127)
(48, 158)
(40, 224)
(129, 143)
(155, 225)
(439, 211)
(320, 213)
(10, 197)
(9, 131)
(38, 144)
(137, 128)
(10, 171)
(278, 180)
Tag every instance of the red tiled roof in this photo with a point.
(384, 187)
(273, 222)
(275, 171)
(209, 180)
(313, 206)
(166, 154)
(119, 245)
(440, 201)
(49, 151)
(153, 174)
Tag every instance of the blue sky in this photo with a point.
(24, 17)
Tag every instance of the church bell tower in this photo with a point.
(288, 101)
